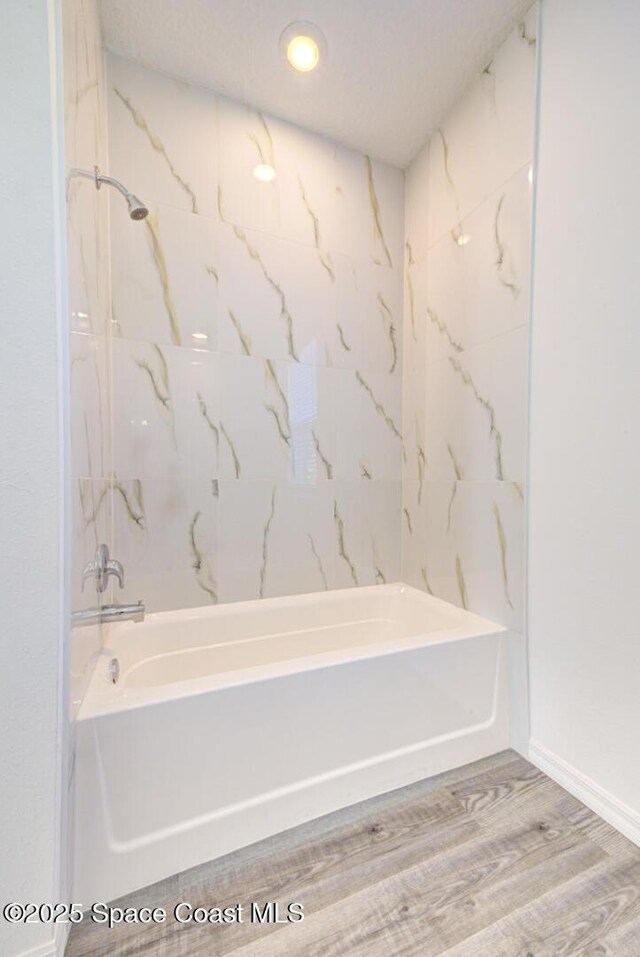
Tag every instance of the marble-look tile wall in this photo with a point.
(257, 352)
(468, 234)
(88, 297)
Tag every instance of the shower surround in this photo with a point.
(257, 352)
(271, 425)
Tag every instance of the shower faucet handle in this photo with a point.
(101, 569)
(114, 567)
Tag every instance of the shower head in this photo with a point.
(137, 209)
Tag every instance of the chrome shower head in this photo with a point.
(137, 209)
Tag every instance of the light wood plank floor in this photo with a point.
(491, 860)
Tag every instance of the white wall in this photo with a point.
(584, 518)
(31, 475)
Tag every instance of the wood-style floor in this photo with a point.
(491, 860)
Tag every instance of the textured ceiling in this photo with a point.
(393, 66)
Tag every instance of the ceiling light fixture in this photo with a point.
(264, 173)
(303, 45)
(303, 54)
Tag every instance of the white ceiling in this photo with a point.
(393, 67)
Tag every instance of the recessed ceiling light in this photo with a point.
(303, 45)
(264, 173)
(199, 335)
(303, 53)
(463, 239)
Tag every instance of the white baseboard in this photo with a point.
(600, 801)
(52, 948)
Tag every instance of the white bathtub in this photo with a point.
(230, 724)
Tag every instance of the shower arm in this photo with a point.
(99, 178)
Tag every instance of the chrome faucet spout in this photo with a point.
(108, 614)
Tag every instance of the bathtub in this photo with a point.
(231, 723)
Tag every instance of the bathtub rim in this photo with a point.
(103, 698)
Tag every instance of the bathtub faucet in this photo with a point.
(101, 569)
(108, 614)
